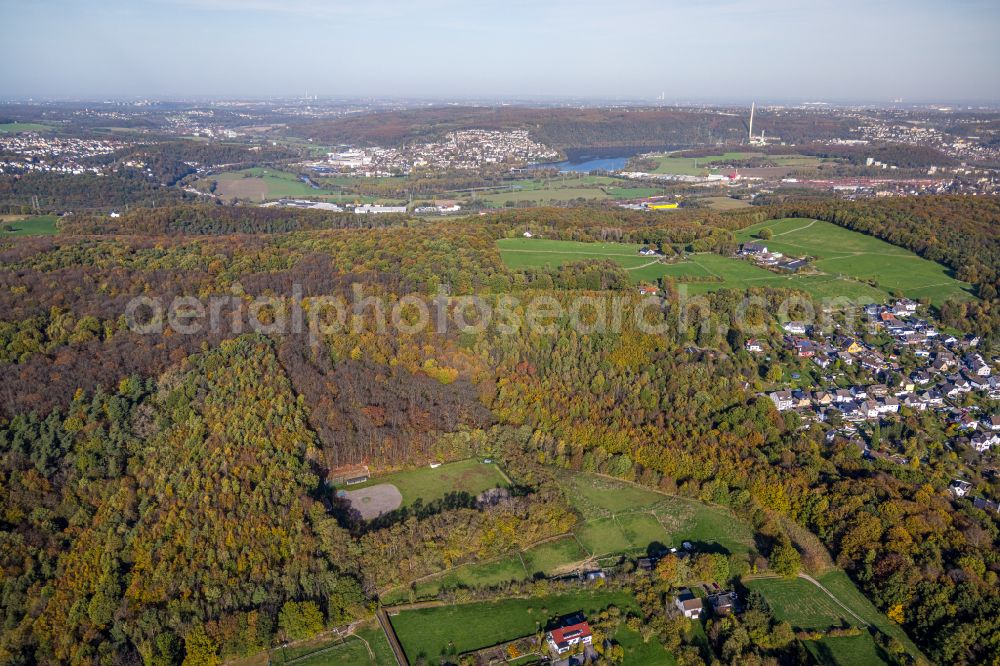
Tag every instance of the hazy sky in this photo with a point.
(868, 50)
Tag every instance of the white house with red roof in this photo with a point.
(564, 639)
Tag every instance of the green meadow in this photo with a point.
(616, 518)
(428, 484)
(40, 225)
(845, 253)
(847, 264)
(701, 273)
(430, 633)
(520, 253)
(699, 166)
(807, 607)
(367, 645)
(14, 128)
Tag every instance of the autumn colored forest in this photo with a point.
(164, 497)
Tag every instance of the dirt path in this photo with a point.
(792, 231)
(655, 261)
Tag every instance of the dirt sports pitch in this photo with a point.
(373, 501)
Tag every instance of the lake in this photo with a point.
(593, 159)
(586, 164)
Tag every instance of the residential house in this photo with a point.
(723, 603)
(782, 400)
(842, 396)
(984, 441)
(852, 346)
(564, 639)
(959, 488)
(904, 307)
(878, 390)
(753, 248)
(795, 327)
(889, 405)
(688, 604)
(986, 505)
(804, 347)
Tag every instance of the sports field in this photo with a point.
(430, 633)
(428, 484)
(17, 225)
(842, 252)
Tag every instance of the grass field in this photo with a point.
(801, 604)
(621, 517)
(427, 484)
(696, 166)
(367, 645)
(847, 651)
(544, 196)
(733, 273)
(566, 187)
(844, 588)
(724, 203)
(549, 558)
(841, 272)
(805, 606)
(538, 252)
(840, 251)
(617, 518)
(431, 632)
(14, 128)
(40, 225)
(259, 184)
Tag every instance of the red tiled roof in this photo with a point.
(564, 634)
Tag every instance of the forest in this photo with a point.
(568, 128)
(164, 496)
